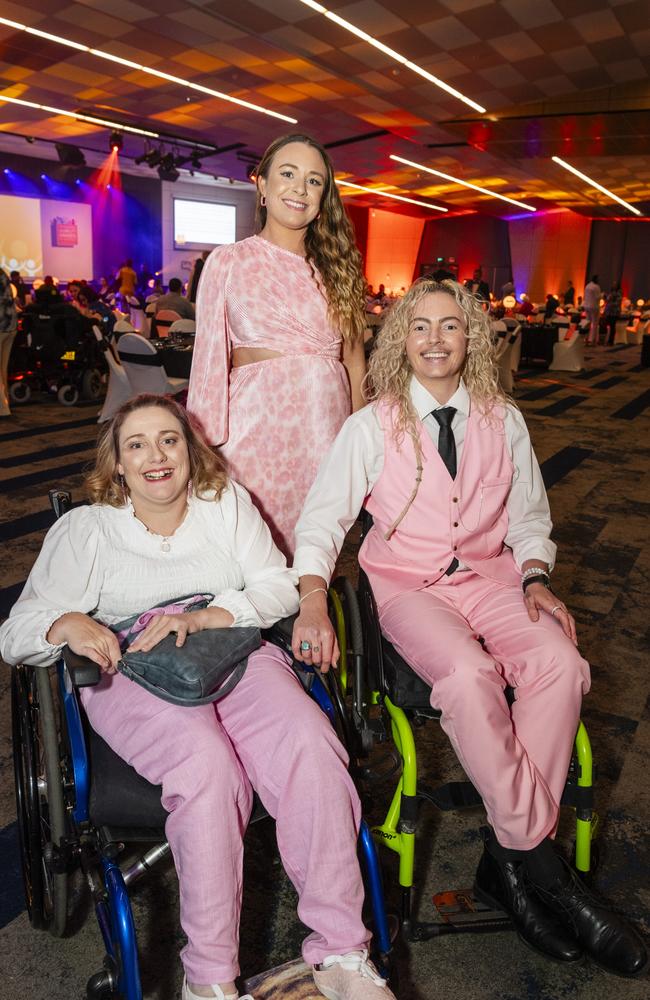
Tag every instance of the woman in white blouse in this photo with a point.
(166, 522)
(460, 551)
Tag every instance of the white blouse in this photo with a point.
(102, 561)
(354, 464)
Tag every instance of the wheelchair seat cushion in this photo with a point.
(119, 796)
(403, 686)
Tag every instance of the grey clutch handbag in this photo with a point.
(205, 668)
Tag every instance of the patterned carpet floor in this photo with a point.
(591, 433)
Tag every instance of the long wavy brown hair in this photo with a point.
(389, 370)
(207, 469)
(330, 246)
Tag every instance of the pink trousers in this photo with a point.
(517, 757)
(266, 734)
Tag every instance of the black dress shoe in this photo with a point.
(605, 936)
(501, 884)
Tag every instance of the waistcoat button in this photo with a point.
(455, 547)
(455, 499)
(455, 524)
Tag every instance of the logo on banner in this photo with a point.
(64, 232)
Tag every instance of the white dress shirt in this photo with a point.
(102, 561)
(354, 464)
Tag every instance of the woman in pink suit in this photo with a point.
(278, 360)
(460, 550)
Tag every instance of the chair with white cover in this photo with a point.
(119, 388)
(562, 325)
(634, 331)
(163, 319)
(505, 360)
(620, 334)
(514, 330)
(183, 326)
(569, 354)
(144, 368)
(499, 336)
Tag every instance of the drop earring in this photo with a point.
(263, 201)
(122, 482)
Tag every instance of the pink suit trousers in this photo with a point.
(517, 757)
(265, 735)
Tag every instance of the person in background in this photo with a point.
(508, 289)
(569, 295)
(127, 279)
(193, 283)
(47, 293)
(174, 299)
(279, 355)
(612, 310)
(477, 286)
(104, 291)
(592, 308)
(551, 306)
(22, 291)
(8, 321)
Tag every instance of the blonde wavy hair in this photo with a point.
(207, 469)
(330, 245)
(389, 369)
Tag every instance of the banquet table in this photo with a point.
(176, 358)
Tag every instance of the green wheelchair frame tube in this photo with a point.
(392, 832)
(341, 638)
(585, 818)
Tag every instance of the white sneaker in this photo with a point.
(188, 994)
(351, 977)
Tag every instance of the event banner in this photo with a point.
(43, 236)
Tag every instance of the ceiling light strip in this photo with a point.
(83, 118)
(456, 180)
(386, 194)
(352, 28)
(595, 184)
(100, 54)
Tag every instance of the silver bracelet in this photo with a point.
(534, 571)
(317, 590)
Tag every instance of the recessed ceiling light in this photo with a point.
(146, 69)
(83, 118)
(595, 184)
(457, 180)
(392, 53)
(387, 194)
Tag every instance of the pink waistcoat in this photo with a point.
(464, 518)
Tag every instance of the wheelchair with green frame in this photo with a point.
(382, 698)
(79, 805)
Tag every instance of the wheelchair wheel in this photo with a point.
(68, 395)
(19, 392)
(39, 797)
(91, 384)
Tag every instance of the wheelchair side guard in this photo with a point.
(77, 744)
(341, 636)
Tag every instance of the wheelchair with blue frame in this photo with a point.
(384, 699)
(79, 804)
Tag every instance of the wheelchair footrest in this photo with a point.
(461, 912)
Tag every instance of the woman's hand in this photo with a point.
(183, 625)
(538, 598)
(314, 627)
(86, 637)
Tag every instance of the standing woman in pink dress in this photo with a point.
(278, 360)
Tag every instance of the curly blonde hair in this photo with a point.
(331, 250)
(207, 469)
(389, 370)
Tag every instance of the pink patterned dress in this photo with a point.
(273, 419)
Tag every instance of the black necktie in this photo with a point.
(447, 449)
(446, 440)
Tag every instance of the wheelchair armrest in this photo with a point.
(281, 633)
(83, 672)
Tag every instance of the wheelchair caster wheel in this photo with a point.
(103, 985)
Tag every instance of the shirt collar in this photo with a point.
(424, 402)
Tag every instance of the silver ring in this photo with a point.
(317, 649)
(558, 607)
(305, 646)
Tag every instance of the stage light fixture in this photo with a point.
(167, 171)
(116, 141)
(69, 155)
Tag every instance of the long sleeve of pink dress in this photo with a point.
(273, 419)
